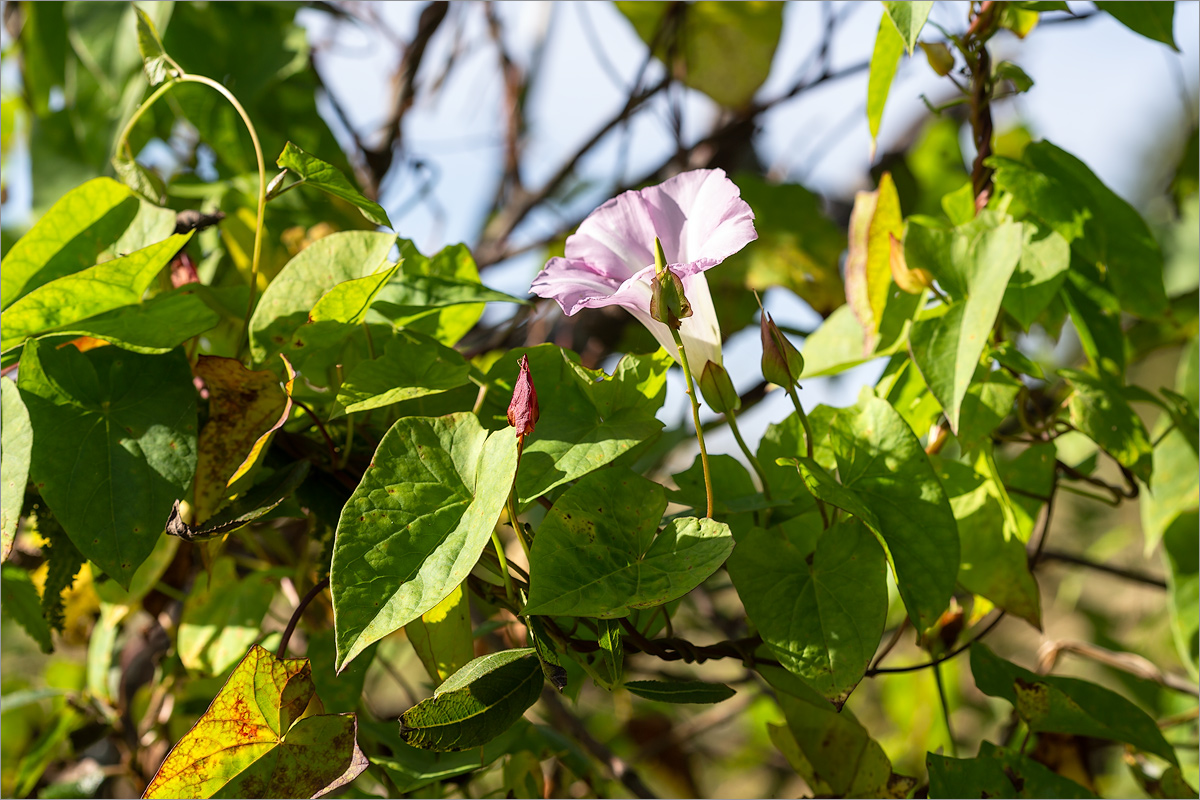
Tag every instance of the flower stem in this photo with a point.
(691, 391)
(514, 518)
(508, 586)
(809, 444)
(123, 144)
(731, 418)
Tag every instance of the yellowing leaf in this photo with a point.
(244, 409)
(252, 742)
(442, 636)
(873, 222)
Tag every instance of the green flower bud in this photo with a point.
(718, 389)
(668, 303)
(782, 363)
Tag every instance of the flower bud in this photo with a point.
(782, 363)
(668, 303)
(940, 57)
(523, 411)
(913, 281)
(718, 389)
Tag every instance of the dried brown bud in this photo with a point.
(523, 411)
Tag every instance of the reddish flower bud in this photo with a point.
(523, 411)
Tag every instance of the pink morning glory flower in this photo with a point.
(700, 218)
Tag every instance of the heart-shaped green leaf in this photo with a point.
(117, 445)
(416, 524)
(596, 555)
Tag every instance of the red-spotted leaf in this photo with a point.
(254, 742)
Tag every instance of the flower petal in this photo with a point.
(574, 284)
(699, 216)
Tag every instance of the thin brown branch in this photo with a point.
(1121, 572)
(311, 595)
(1132, 663)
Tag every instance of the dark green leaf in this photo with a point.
(328, 178)
(69, 237)
(14, 462)
(612, 650)
(680, 691)
(21, 602)
(1154, 20)
(410, 768)
(1008, 71)
(416, 524)
(1103, 229)
(1067, 705)
(476, 704)
(840, 758)
(821, 613)
(596, 555)
(117, 445)
(888, 483)
(1097, 317)
(997, 773)
(157, 325)
(1101, 413)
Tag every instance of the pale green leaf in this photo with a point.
(14, 463)
(416, 524)
(909, 18)
(889, 46)
(285, 304)
(412, 365)
(73, 298)
(69, 237)
(721, 49)
(328, 178)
